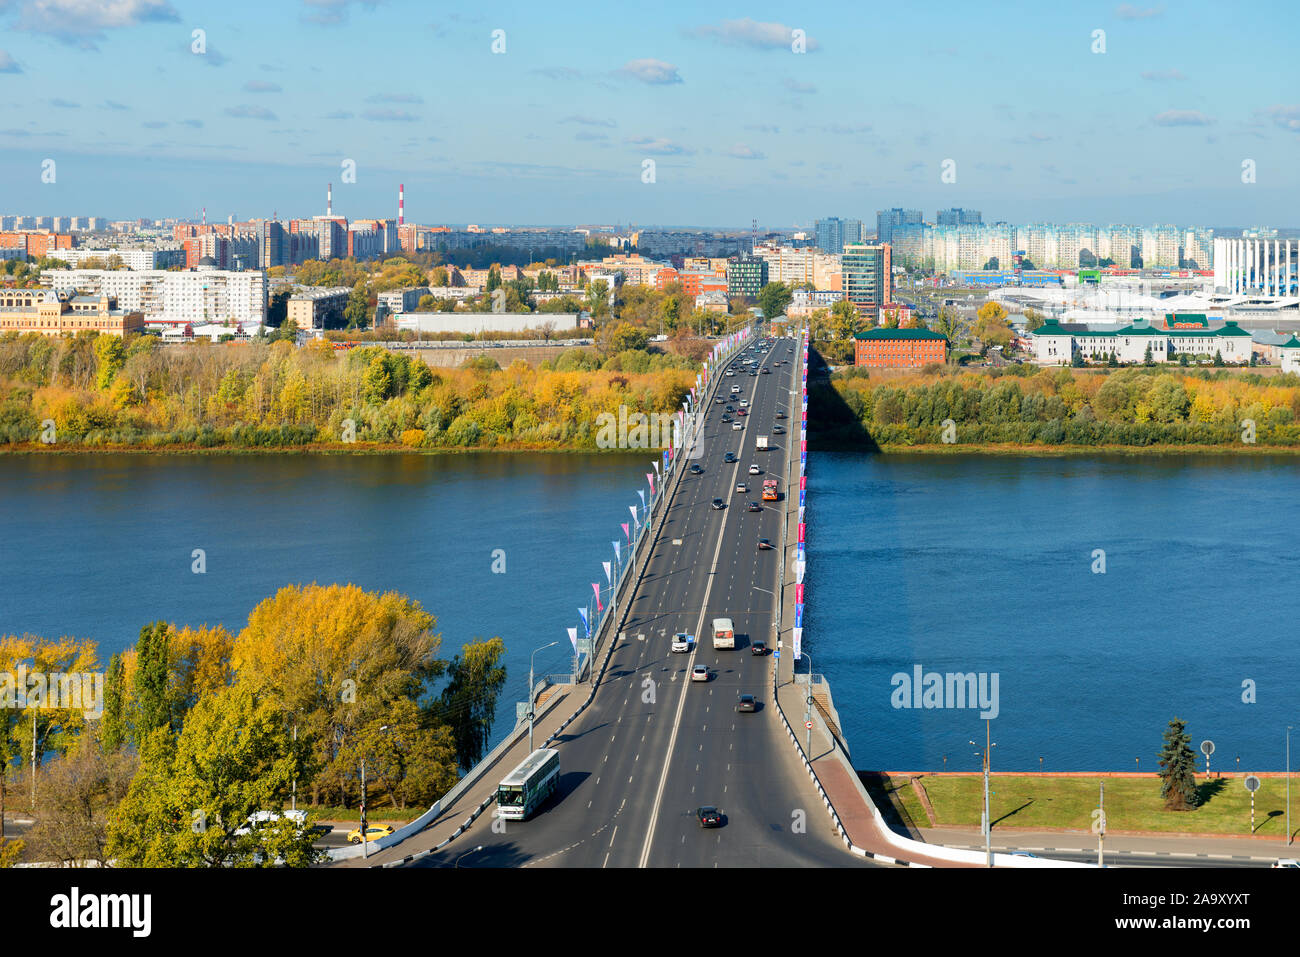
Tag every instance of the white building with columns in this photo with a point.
(1257, 267)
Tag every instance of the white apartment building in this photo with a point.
(170, 298)
(1057, 344)
(137, 258)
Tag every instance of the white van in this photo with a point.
(724, 634)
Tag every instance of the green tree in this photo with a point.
(153, 706)
(845, 320)
(356, 312)
(773, 299)
(1033, 319)
(110, 356)
(1218, 358)
(378, 379)
(468, 702)
(113, 728)
(1178, 769)
(440, 277)
(1147, 358)
(234, 757)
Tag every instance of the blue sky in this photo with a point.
(556, 128)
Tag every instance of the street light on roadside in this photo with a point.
(530, 692)
(1288, 785)
(365, 843)
(468, 853)
(807, 710)
(987, 823)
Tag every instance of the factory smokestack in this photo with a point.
(329, 199)
(401, 204)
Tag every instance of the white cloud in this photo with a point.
(752, 33)
(1182, 118)
(8, 64)
(82, 22)
(741, 151)
(658, 146)
(1163, 75)
(654, 72)
(244, 112)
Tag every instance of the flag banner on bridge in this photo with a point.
(803, 458)
(632, 509)
(692, 393)
(573, 637)
(802, 530)
(798, 643)
(803, 484)
(596, 588)
(803, 446)
(802, 493)
(667, 452)
(803, 436)
(626, 533)
(618, 549)
(640, 492)
(650, 477)
(798, 615)
(609, 571)
(799, 554)
(798, 594)
(800, 513)
(655, 463)
(582, 613)
(799, 570)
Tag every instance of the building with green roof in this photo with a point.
(1058, 345)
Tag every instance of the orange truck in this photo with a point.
(769, 490)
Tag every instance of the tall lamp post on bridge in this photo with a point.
(807, 711)
(1288, 785)
(530, 691)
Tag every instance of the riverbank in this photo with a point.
(315, 448)
(1068, 802)
(1049, 451)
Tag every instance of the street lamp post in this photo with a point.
(468, 853)
(1288, 785)
(530, 692)
(807, 710)
(365, 842)
(987, 822)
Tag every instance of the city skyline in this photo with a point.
(558, 127)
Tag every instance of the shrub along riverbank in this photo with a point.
(100, 392)
(1036, 410)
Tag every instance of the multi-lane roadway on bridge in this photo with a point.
(653, 746)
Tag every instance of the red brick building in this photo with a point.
(899, 348)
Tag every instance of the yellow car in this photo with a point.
(373, 833)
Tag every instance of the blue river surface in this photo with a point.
(985, 564)
(962, 564)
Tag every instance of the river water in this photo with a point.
(959, 564)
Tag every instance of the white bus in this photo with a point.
(528, 786)
(724, 635)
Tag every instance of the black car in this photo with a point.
(719, 503)
(758, 647)
(697, 470)
(708, 816)
(729, 457)
(730, 408)
(766, 370)
(755, 507)
(764, 544)
(747, 704)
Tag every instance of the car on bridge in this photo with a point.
(708, 816)
(747, 704)
(778, 430)
(742, 487)
(700, 673)
(754, 507)
(682, 641)
(758, 647)
(729, 457)
(780, 414)
(736, 426)
(764, 544)
(719, 503)
(697, 469)
(726, 418)
(755, 470)
(743, 412)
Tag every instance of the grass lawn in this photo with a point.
(1132, 804)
